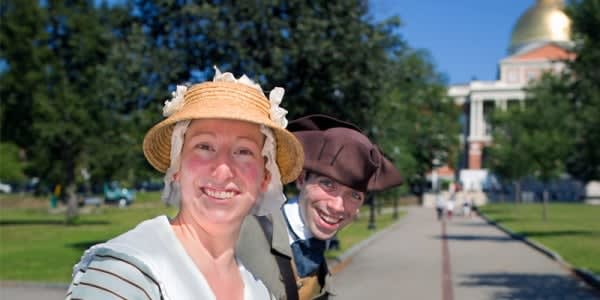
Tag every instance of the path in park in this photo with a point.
(414, 259)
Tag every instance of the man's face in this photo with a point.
(326, 205)
(222, 170)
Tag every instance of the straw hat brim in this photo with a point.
(157, 142)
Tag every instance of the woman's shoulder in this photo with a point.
(120, 265)
(254, 288)
(110, 277)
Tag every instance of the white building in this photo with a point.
(540, 42)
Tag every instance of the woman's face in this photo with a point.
(222, 170)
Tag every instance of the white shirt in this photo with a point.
(152, 248)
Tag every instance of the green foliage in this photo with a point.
(21, 33)
(584, 162)
(527, 139)
(84, 81)
(416, 123)
(11, 167)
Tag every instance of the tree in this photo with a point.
(507, 158)
(11, 166)
(22, 61)
(416, 122)
(584, 162)
(326, 54)
(538, 136)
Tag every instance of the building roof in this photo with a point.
(545, 21)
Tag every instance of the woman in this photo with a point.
(225, 153)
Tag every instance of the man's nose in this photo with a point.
(336, 204)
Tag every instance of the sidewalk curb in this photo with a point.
(34, 284)
(586, 276)
(339, 263)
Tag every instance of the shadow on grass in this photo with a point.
(530, 286)
(49, 222)
(557, 233)
(84, 245)
(472, 224)
(466, 237)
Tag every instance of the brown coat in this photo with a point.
(258, 256)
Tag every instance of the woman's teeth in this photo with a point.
(219, 194)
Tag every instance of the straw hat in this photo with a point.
(225, 100)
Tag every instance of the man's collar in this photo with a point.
(297, 229)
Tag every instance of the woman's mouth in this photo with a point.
(218, 194)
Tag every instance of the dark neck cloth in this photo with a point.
(308, 251)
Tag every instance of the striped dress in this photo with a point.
(147, 262)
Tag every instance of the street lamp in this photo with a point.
(371, 200)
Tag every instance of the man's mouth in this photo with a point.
(329, 219)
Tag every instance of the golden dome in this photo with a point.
(543, 22)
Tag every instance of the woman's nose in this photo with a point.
(223, 168)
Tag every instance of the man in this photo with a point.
(340, 166)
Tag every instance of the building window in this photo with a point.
(512, 75)
(532, 75)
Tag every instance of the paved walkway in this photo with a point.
(415, 259)
(31, 291)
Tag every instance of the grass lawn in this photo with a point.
(571, 230)
(36, 245)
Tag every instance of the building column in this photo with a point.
(475, 153)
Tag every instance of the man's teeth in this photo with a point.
(219, 194)
(329, 219)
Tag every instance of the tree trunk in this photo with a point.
(517, 191)
(71, 204)
(395, 215)
(545, 204)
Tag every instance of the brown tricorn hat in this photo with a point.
(341, 151)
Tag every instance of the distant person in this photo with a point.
(466, 208)
(340, 166)
(225, 151)
(449, 209)
(440, 206)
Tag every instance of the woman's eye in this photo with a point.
(204, 147)
(245, 152)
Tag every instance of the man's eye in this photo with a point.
(357, 196)
(326, 182)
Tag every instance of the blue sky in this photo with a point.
(466, 38)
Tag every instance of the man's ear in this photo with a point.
(301, 179)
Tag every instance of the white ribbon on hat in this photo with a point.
(176, 102)
(278, 113)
